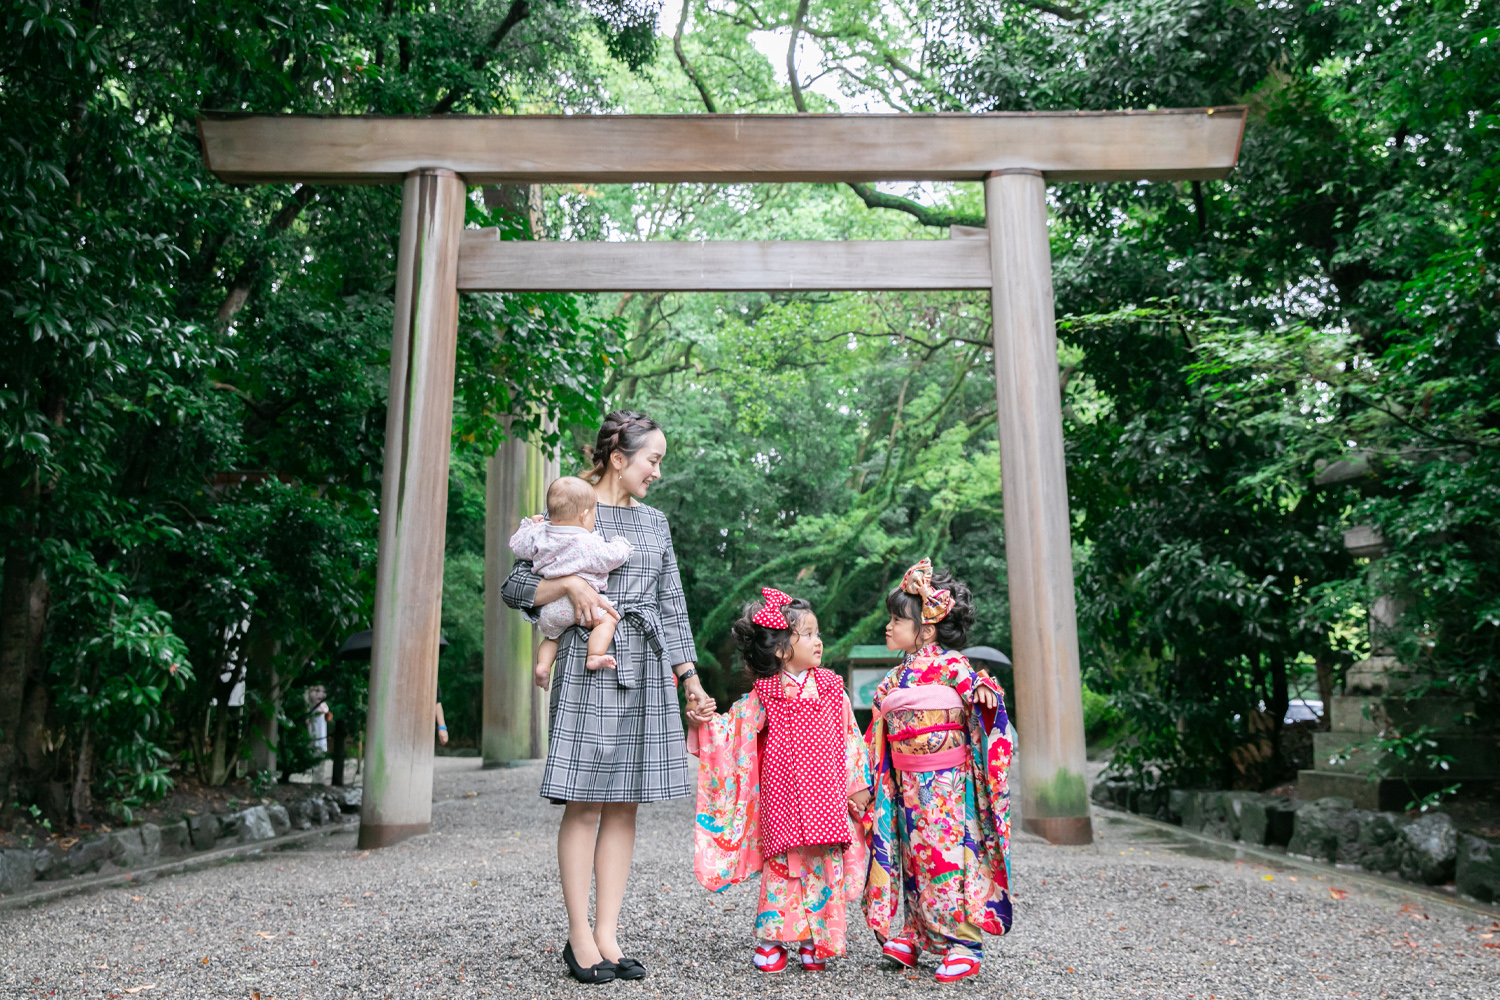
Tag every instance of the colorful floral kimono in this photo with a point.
(804, 891)
(941, 818)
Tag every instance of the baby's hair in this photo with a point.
(762, 647)
(568, 498)
(953, 630)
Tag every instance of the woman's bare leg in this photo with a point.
(612, 856)
(576, 837)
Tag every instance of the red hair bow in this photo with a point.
(770, 616)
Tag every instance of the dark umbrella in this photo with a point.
(985, 654)
(357, 646)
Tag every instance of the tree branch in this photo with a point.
(1056, 10)
(926, 216)
(518, 12)
(687, 67)
(244, 278)
(791, 55)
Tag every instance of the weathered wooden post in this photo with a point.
(551, 468)
(1034, 487)
(515, 711)
(506, 734)
(413, 513)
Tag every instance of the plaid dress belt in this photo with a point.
(642, 622)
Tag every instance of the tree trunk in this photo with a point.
(81, 804)
(340, 738)
(1276, 708)
(24, 601)
(219, 772)
(1325, 689)
(260, 677)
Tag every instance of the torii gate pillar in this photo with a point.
(1034, 490)
(397, 800)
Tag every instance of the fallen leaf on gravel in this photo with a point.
(268, 935)
(1338, 893)
(1491, 944)
(137, 989)
(1200, 888)
(1268, 878)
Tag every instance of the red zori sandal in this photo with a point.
(956, 967)
(770, 958)
(808, 955)
(902, 950)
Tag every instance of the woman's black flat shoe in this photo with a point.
(603, 972)
(629, 968)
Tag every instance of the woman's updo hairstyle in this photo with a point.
(953, 630)
(763, 647)
(623, 432)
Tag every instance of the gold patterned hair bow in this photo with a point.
(935, 603)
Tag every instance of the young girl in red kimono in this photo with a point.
(941, 835)
(780, 777)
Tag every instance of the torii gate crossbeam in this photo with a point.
(436, 157)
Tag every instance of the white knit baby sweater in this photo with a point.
(565, 550)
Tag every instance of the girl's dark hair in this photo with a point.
(623, 431)
(759, 645)
(952, 631)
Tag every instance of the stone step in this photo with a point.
(1369, 714)
(1474, 757)
(1382, 795)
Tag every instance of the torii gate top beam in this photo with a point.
(1186, 144)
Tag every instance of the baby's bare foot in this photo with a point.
(600, 662)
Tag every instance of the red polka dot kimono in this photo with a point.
(940, 839)
(774, 776)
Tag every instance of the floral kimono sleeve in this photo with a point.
(992, 753)
(726, 838)
(857, 854)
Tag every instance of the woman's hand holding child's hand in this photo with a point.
(859, 802)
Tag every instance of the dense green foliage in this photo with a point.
(192, 375)
(1332, 299)
(192, 394)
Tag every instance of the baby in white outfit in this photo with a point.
(564, 544)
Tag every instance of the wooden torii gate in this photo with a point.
(436, 158)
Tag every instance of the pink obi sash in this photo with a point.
(923, 697)
(940, 761)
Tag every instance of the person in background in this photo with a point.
(320, 717)
(442, 725)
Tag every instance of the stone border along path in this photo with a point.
(176, 866)
(1228, 850)
(472, 910)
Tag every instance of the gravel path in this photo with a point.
(473, 910)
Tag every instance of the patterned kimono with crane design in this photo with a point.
(941, 807)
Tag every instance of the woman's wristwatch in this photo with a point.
(689, 672)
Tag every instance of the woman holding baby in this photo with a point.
(615, 738)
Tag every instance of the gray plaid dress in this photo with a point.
(616, 735)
